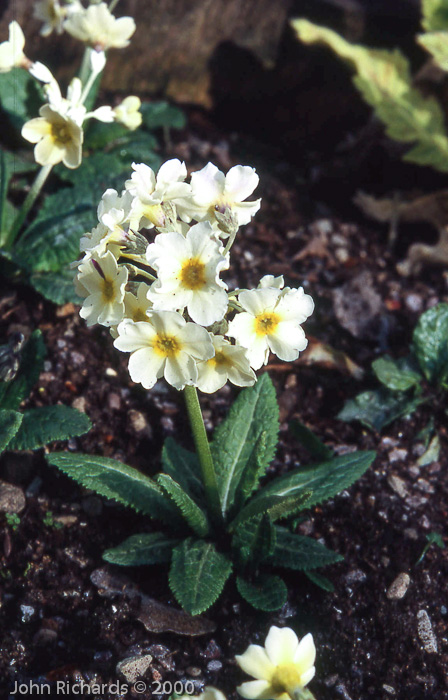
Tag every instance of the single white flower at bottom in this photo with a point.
(164, 346)
(230, 362)
(271, 322)
(282, 668)
(103, 283)
(57, 138)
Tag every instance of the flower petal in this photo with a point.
(255, 662)
(241, 180)
(305, 654)
(256, 689)
(281, 645)
(146, 366)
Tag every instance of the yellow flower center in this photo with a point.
(139, 315)
(192, 274)
(107, 289)
(61, 133)
(166, 345)
(285, 679)
(266, 323)
(219, 360)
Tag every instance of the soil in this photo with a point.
(57, 625)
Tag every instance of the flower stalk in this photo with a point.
(31, 197)
(203, 452)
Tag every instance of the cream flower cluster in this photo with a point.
(161, 292)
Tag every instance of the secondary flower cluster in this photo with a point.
(58, 131)
(165, 300)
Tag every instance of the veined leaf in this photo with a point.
(430, 341)
(198, 574)
(310, 441)
(183, 466)
(435, 14)
(162, 115)
(267, 592)
(48, 423)
(274, 505)
(20, 96)
(254, 412)
(378, 408)
(58, 287)
(191, 512)
(385, 82)
(113, 479)
(396, 375)
(319, 580)
(9, 425)
(141, 550)
(254, 540)
(298, 552)
(322, 480)
(31, 362)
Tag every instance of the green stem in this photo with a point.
(27, 204)
(85, 69)
(203, 451)
(112, 5)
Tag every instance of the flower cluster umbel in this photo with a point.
(164, 299)
(58, 130)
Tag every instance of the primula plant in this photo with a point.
(153, 272)
(75, 143)
(420, 377)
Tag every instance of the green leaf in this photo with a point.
(322, 480)
(48, 423)
(298, 552)
(141, 550)
(396, 375)
(183, 466)
(9, 425)
(435, 14)
(56, 286)
(254, 540)
(5, 175)
(267, 592)
(198, 574)
(274, 505)
(319, 580)
(385, 82)
(20, 96)
(113, 479)
(99, 135)
(157, 115)
(53, 243)
(430, 341)
(431, 454)
(140, 148)
(31, 363)
(436, 44)
(376, 409)
(191, 512)
(236, 444)
(310, 441)
(98, 170)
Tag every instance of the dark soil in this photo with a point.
(55, 626)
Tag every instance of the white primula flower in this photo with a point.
(100, 239)
(128, 112)
(164, 346)
(52, 14)
(271, 281)
(11, 51)
(282, 668)
(41, 72)
(103, 282)
(98, 27)
(229, 362)
(188, 270)
(114, 209)
(57, 138)
(149, 191)
(271, 321)
(212, 191)
(137, 306)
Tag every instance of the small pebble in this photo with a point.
(80, 404)
(425, 632)
(389, 689)
(139, 423)
(194, 671)
(397, 455)
(214, 665)
(398, 485)
(111, 372)
(12, 498)
(414, 302)
(27, 612)
(398, 587)
(355, 576)
(114, 402)
(133, 667)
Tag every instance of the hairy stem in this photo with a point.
(26, 206)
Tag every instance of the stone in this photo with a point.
(398, 485)
(139, 423)
(12, 498)
(399, 587)
(426, 633)
(133, 667)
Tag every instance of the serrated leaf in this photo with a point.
(322, 480)
(436, 43)
(183, 466)
(267, 592)
(20, 96)
(141, 550)
(254, 540)
(430, 341)
(396, 375)
(191, 512)
(319, 580)
(48, 423)
(198, 574)
(113, 479)
(56, 286)
(97, 168)
(159, 115)
(53, 243)
(31, 363)
(274, 505)
(435, 14)
(253, 471)
(138, 148)
(234, 441)
(98, 134)
(376, 409)
(299, 553)
(310, 441)
(9, 425)
(384, 80)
